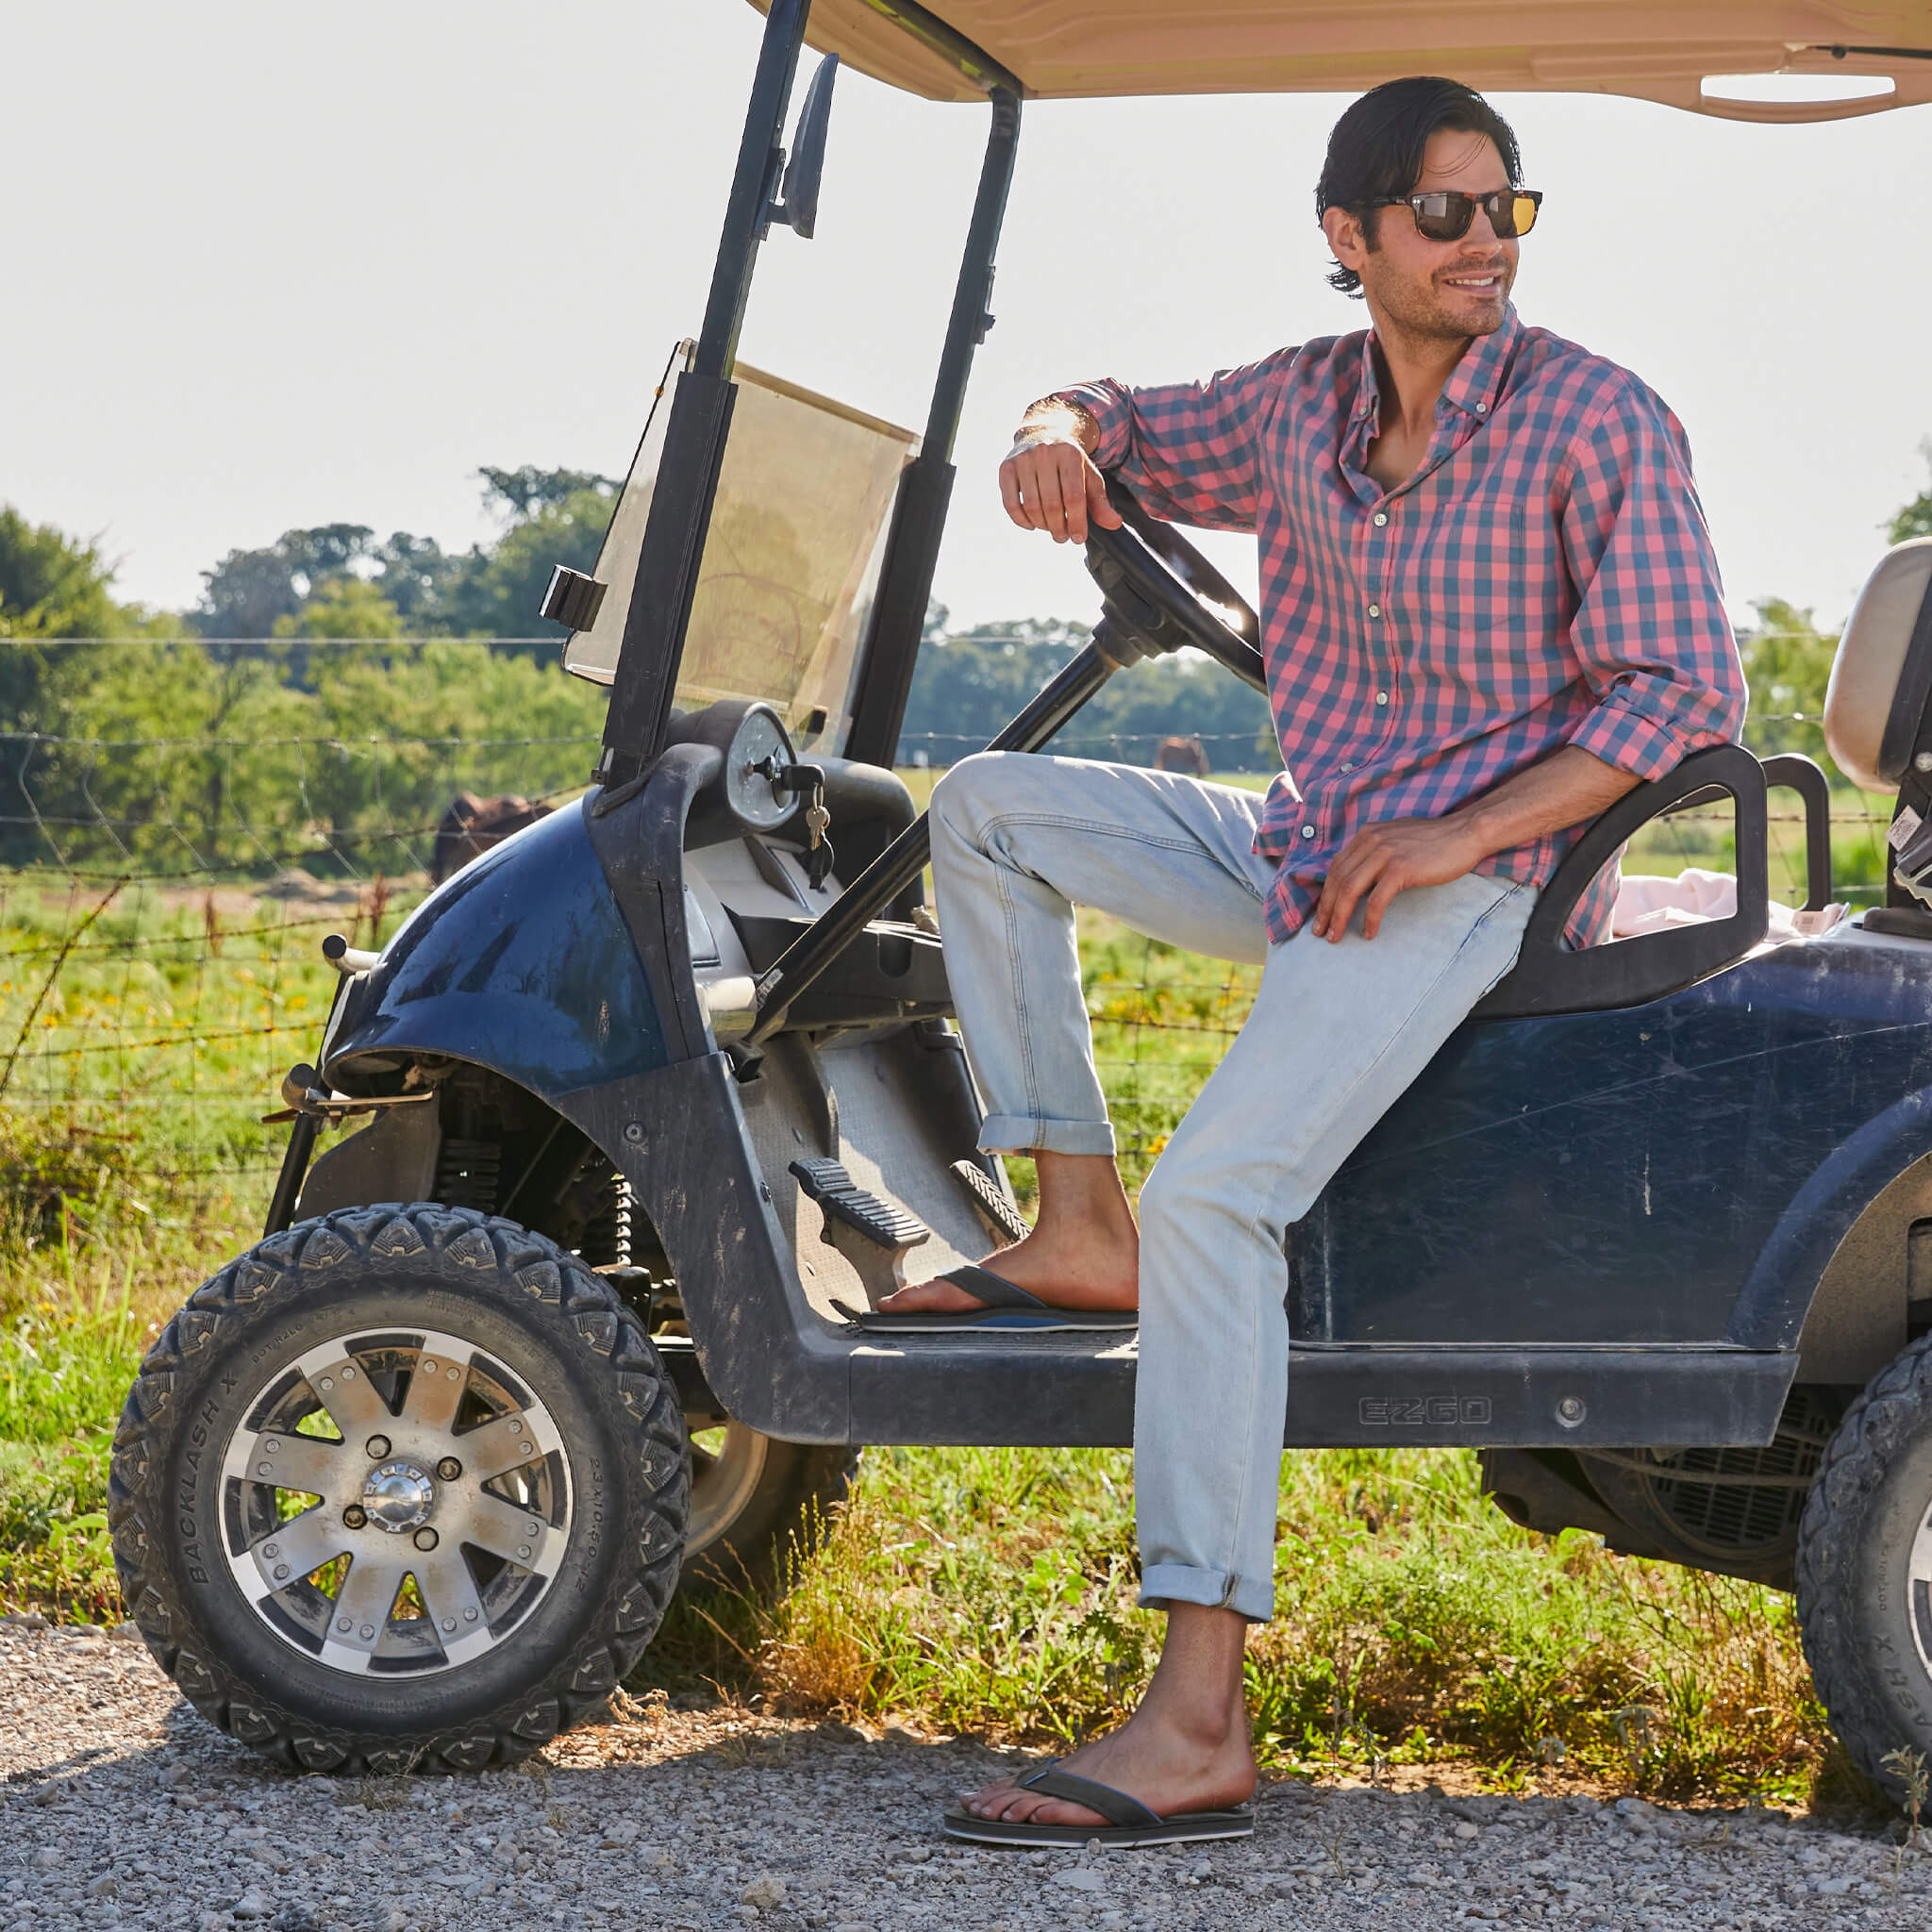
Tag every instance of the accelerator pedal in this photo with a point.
(872, 1234)
(1002, 1220)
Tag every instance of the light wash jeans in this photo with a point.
(1337, 1034)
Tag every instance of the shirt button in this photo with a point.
(1347, 766)
(1482, 408)
(1381, 518)
(1375, 610)
(1381, 697)
(1308, 831)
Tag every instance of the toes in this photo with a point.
(989, 1800)
(929, 1298)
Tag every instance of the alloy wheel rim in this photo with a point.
(1918, 1589)
(394, 1503)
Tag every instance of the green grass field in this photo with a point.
(141, 1034)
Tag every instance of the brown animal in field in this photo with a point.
(472, 825)
(1182, 755)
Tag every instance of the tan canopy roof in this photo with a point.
(1656, 50)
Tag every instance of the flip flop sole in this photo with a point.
(1184, 1827)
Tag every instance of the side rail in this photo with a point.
(1547, 978)
(1790, 770)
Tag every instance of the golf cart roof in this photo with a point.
(1653, 50)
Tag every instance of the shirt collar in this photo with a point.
(1475, 386)
(1368, 397)
(1477, 382)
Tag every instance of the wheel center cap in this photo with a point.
(398, 1496)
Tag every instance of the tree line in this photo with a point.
(331, 690)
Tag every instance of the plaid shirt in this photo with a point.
(1543, 578)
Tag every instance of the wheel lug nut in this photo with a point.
(426, 1539)
(449, 1468)
(355, 1516)
(377, 1447)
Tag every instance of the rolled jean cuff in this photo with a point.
(1016, 1133)
(1167, 1584)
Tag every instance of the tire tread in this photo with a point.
(301, 1262)
(1895, 1407)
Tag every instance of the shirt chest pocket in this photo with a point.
(1483, 601)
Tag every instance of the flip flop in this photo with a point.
(1129, 1822)
(1008, 1308)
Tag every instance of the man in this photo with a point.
(1490, 607)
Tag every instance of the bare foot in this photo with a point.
(1168, 1770)
(1083, 1252)
(1186, 1749)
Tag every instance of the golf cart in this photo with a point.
(647, 1097)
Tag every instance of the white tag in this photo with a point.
(1902, 827)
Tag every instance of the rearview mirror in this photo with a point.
(798, 206)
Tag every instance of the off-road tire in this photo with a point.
(500, 1287)
(780, 1525)
(1873, 1495)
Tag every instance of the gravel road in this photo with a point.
(119, 1806)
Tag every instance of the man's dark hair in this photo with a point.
(1379, 146)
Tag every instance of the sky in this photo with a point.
(276, 266)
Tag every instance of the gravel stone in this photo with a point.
(119, 1807)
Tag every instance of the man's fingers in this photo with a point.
(1341, 870)
(1009, 493)
(1071, 468)
(1361, 863)
(1052, 486)
(1102, 511)
(1341, 909)
(1050, 511)
(1379, 902)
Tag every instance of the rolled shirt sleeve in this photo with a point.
(1189, 451)
(1650, 632)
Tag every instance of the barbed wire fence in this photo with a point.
(174, 848)
(172, 855)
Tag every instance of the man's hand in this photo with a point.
(1565, 788)
(1383, 859)
(1048, 481)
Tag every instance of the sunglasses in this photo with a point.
(1446, 214)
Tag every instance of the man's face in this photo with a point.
(1447, 290)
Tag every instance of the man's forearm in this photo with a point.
(1051, 419)
(1557, 793)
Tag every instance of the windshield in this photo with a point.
(790, 560)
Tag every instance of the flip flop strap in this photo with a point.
(1117, 1808)
(996, 1290)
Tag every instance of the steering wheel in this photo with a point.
(1158, 593)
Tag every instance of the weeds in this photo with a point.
(982, 1590)
(1444, 1634)
(1909, 1767)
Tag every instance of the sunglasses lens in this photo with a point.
(1518, 212)
(1444, 217)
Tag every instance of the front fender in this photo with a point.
(522, 962)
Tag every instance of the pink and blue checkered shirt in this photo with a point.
(1543, 578)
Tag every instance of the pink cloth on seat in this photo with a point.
(1648, 904)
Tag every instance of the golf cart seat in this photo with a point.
(1881, 678)
(1878, 722)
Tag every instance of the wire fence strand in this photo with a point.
(169, 858)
